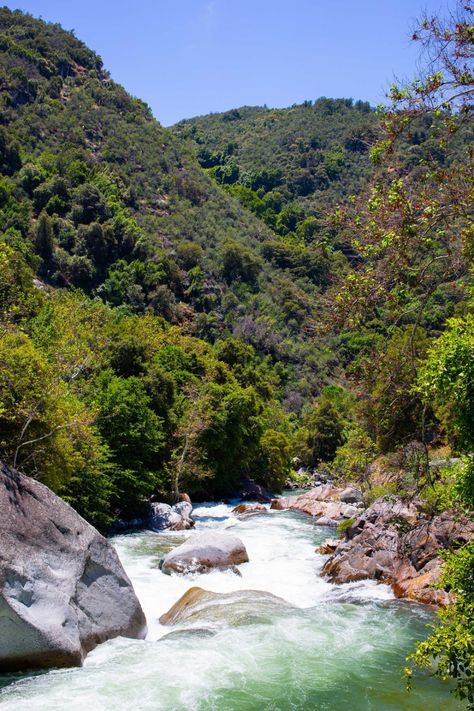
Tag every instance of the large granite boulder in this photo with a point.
(198, 606)
(396, 543)
(172, 518)
(203, 552)
(62, 587)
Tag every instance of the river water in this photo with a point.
(338, 648)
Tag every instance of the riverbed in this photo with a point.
(335, 648)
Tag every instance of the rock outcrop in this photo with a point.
(396, 543)
(62, 587)
(242, 606)
(203, 552)
(323, 503)
(173, 518)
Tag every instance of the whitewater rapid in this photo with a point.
(340, 648)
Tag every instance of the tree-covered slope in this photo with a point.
(111, 202)
(289, 165)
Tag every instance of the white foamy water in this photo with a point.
(340, 648)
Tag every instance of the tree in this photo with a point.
(44, 240)
(134, 435)
(239, 263)
(325, 428)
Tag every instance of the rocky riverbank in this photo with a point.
(392, 541)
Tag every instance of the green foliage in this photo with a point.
(393, 410)
(451, 641)
(354, 457)
(344, 526)
(325, 428)
(447, 377)
(275, 455)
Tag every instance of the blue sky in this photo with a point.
(189, 57)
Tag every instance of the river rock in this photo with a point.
(326, 521)
(395, 543)
(173, 518)
(62, 587)
(351, 496)
(322, 502)
(244, 510)
(251, 491)
(198, 606)
(203, 552)
(328, 546)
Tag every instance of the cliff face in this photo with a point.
(62, 587)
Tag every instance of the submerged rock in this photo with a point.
(203, 552)
(242, 606)
(62, 587)
(395, 543)
(244, 510)
(171, 518)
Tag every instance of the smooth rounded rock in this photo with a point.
(203, 552)
(173, 518)
(198, 606)
(351, 496)
(243, 510)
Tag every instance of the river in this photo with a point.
(340, 648)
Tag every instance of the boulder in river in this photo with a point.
(62, 587)
(241, 606)
(351, 496)
(322, 502)
(396, 543)
(172, 518)
(244, 510)
(251, 491)
(203, 552)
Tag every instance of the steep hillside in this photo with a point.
(114, 204)
(290, 166)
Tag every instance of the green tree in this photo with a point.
(134, 435)
(325, 433)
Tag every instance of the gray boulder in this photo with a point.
(62, 587)
(203, 552)
(351, 496)
(173, 518)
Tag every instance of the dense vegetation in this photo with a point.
(182, 309)
(288, 166)
(125, 212)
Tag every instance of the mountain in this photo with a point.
(289, 166)
(129, 215)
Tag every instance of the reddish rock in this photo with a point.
(395, 543)
(328, 546)
(249, 509)
(321, 502)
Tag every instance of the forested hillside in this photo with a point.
(128, 215)
(117, 253)
(288, 166)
